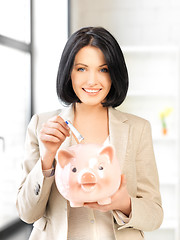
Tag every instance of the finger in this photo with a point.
(49, 138)
(90, 205)
(60, 120)
(96, 206)
(123, 180)
(52, 132)
(58, 127)
(58, 123)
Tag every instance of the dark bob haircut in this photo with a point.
(102, 39)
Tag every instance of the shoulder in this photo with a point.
(136, 124)
(129, 118)
(135, 120)
(138, 127)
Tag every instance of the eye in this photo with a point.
(100, 167)
(81, 69)
(74, 169)
(104, 70)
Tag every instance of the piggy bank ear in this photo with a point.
(109, 151)
(64, 157)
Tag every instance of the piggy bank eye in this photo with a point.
(74, 169)
(100, 167)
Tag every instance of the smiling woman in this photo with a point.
(90, 77)
(111, 61)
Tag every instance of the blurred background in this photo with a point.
(32, 37)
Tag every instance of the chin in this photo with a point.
(92, 102)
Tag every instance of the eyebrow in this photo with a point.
(105, 64)
(81, 64)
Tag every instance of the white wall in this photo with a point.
(137, 22)
(49, 37)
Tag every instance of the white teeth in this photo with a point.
(91, 90)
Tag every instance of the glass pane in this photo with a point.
(15, 19)
(15, 109)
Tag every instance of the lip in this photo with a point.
(92, 91)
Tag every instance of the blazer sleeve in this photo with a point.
(147, 212)
(34, 189)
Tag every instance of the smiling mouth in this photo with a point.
(92, 90)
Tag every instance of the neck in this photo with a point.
(91, 122)
(81, 108)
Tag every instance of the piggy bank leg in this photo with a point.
(104, 201)
(76, 204)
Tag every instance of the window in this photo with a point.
(15, 98)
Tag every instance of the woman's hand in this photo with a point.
(119, 201)
(52, 135)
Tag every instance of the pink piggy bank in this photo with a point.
(87, 173)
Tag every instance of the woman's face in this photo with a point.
(90, 76)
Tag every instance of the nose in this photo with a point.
(88, 177)
(92, 78)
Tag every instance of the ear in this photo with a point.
(64, 157)
(109, 151)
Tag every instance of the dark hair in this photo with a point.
(102, 39)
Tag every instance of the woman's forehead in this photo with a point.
(89, 54)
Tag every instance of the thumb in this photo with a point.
(123, 180)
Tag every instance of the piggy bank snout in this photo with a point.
(87, 181)
(88, 177)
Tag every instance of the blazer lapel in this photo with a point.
(118, 130)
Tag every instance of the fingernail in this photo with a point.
(86, 206)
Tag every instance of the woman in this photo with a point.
(93, 80)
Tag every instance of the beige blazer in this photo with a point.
(39, 202)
